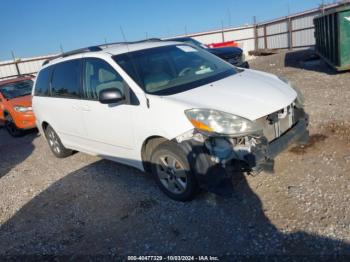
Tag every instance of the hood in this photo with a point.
(21, 101)
(249, 94)
(225, 51)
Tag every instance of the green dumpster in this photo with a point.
(332, 34)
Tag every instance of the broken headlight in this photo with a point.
(214, 121)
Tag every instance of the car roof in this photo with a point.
(182, 38)
(115, 49)
(15, 80)
(125, 48)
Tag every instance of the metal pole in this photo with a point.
(16, 63)
(222, 31)
(265, 37)
(256, 43)
(290, 34)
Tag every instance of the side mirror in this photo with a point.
(110, 96)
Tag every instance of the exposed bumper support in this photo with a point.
(262, 159)
(212, 170)
(297, 134)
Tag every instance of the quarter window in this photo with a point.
(99, 75)
(43, 83)
(66, 79)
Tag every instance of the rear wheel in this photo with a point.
(11, 127)
(172, 172)
(55, 143)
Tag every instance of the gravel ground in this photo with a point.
(87, 206)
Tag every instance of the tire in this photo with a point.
(172, 172)
(11, 127)
(55, 144)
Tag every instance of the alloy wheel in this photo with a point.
(53, 141)
(172, 174)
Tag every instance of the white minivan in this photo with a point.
(168, 108)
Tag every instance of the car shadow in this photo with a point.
(15, 150)
(307, 59)
(110, 209)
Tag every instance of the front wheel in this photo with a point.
(171, 170)
(55, 143)
(11, 127)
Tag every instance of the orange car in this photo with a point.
(16, 104)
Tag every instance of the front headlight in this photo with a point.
(214, 121)
(23, 109)
(300, 96)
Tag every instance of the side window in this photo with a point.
(99, 75)
(43, 83)
(66, 79)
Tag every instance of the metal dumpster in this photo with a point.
(332, 34)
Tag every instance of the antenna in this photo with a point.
(61, 48)
(122, 32)
(123, 35)
(106, 42)
(132, 61)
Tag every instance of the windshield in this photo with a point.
(172, 69)
(13, 90)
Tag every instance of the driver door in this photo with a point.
(109, 127)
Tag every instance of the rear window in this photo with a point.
(66, 79)
(42, 83)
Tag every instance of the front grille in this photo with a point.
(276, 124)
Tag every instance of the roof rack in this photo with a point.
(74, 52)
(97, 48)
(131, 42)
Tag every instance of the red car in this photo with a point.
(223, 44)
(16, 104)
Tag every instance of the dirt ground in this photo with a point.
(83, 205)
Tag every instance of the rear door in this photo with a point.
(64, 105)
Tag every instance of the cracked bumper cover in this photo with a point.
(212, 173)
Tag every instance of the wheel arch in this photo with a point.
(147, 148)
(44, 125)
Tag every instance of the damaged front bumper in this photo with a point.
(215, 159)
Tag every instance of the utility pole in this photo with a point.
(256, 39)
(222, 31)
(16, 63)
